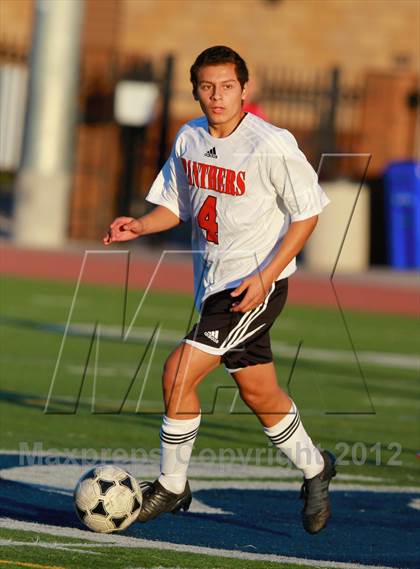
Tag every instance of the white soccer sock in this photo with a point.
(290, 437)
(177, 438)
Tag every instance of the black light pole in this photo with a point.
(132, 139)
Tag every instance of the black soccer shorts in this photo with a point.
(242, 339)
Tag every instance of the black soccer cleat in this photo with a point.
(317, 509)
(157, 500)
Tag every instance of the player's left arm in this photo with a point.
(258, 285)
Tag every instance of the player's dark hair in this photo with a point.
(218, 55)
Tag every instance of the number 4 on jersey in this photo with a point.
(207, 219)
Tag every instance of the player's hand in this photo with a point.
(256, 288)
(123, 229)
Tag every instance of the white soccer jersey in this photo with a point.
(241, 194)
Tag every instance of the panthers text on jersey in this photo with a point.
(241, 194)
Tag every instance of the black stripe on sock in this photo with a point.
(177, 435)
(278, 442)
(177, 439)
(180, 442)
(287, 433)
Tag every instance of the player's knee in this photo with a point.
(169, 374)
(252, 397)
(258, 398)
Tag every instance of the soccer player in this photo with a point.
(253, 200)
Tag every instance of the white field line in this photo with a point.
(385, 359)
(64, 477)
(280, 349)
(49, 545)
(157, 405)
(110, 540)
(66, 300)
(66, 474)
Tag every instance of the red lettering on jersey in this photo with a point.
(211, 178)
(207, 219)
(204, 171)
(240, 183)
(230, 182)
(221, 180)
(186, 166)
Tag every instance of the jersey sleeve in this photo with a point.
(170, 187)
(296, 181)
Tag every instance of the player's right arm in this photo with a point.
(127, 228)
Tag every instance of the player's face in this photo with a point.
(220, 95)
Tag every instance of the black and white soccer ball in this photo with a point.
(107, 499)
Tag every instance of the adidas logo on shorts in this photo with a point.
(211, 153)
(213, 336)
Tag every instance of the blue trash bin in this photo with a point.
(402, 211)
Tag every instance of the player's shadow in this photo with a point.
(36, 503)
(33, 503)
(268, 522)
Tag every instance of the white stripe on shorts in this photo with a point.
(237, 334)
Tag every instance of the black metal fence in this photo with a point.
(322, 107)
